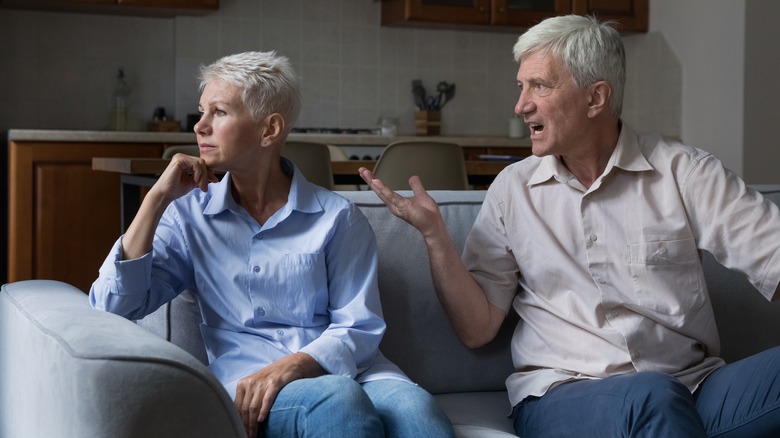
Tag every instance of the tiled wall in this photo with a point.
(353, 71)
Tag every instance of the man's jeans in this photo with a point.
(739, 400)
(335, 406)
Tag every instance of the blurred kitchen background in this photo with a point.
(706, 72)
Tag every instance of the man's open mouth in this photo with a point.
(536, 128)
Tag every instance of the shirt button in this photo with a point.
(280, 332)
(593, 238)
(256, 269)
(261, 311)
(614, 313)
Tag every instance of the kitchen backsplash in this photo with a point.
(59, 68)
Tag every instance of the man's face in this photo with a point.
(553, 107)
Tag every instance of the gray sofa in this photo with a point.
(67, 370)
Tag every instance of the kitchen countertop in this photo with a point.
(188, 137)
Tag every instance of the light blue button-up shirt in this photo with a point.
(305, 281)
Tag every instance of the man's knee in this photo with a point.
(659, 404)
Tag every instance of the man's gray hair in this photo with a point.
(268, 82)
(589, 50)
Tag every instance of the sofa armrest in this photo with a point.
(72, 371)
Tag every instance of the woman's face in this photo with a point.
(228, 135)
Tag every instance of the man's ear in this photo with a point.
(271, 129)
(598, 98)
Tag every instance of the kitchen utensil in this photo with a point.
(419, 93)
(433, 103)
(449, 93)
(441, 89)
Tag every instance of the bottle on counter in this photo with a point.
(119, 111)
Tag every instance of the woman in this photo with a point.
(285, 271)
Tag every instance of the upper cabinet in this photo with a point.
(630, 14)
(120, 7)
(183, 4)
(508, 15)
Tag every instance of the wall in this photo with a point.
(58, 69)
(708, 37)
(353, 71)
(761, 153)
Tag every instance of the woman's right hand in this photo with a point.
(184, 173)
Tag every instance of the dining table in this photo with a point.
(139, 173)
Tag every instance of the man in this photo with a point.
(285, 271)
(595, 242)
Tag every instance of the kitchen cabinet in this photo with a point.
(630, 14)
(63, 216)
(156, 8)
(184, 4)
(508, 15)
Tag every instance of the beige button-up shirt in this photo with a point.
(608, 280)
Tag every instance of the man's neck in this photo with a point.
(589, 165)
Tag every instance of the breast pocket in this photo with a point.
(667, 275)
(305, 285)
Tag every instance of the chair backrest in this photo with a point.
(439, 165)
(189, 149)
(312, 159)
(337, 153)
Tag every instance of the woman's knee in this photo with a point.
(407, 410)
(342, 391)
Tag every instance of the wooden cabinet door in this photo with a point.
(179, 4)
(526, 13)
(63, 216)
(436, 11)
(631, 14)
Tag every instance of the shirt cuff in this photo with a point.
(332, 355)
(131, 276)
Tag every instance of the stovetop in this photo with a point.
(353, 131)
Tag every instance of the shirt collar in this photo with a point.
(627, 156)
(302, 196)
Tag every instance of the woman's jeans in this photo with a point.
(738, 400)
(336, 406)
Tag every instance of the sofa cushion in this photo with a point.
(419, 338)
(179, 322)
(478, 414)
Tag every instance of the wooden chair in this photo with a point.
(312, 159)
(440, 166)
(189, 149)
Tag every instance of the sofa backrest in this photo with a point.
(747, 323)
(419, 337)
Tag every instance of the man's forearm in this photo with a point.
(475, 319)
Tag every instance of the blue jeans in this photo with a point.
(741, 399)
(336, 406)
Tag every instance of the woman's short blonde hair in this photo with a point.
(268, 82)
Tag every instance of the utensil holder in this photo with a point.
(427, 122)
